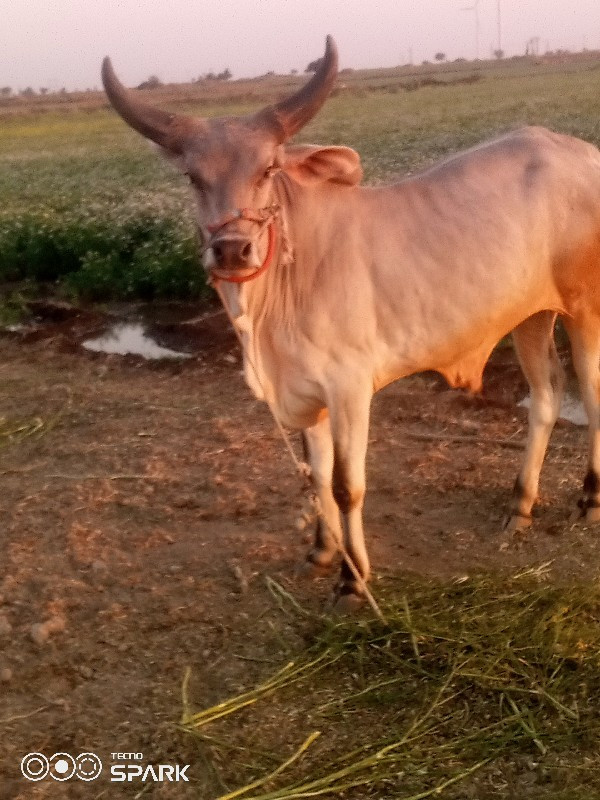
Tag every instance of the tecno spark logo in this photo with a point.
(61, 766)
(88, 766)
(144, 772)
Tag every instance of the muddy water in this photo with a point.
(173, 331)
(149, 331)
(131, 338)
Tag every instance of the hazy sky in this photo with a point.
(57, 43)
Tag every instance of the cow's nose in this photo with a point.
(233, 252)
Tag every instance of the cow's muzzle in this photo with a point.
(234, 251)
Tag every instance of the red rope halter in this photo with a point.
(251, 216)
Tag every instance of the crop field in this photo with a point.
(151, 527)
(87, 205)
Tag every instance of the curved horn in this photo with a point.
(295, 111)
(150, 122)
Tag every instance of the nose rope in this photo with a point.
(264, 216)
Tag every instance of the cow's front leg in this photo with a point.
(319, 446)
(350, 428)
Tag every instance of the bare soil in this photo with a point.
(142, 518)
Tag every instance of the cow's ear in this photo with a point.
(309, 164)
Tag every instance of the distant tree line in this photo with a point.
(154, 82)
(218, 76)
(314, 65)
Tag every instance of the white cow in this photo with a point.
(339, 289)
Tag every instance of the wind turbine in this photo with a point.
(475, 8)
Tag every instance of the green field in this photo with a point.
(90, 210)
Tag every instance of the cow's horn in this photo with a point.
(150, 122)
(298, 109)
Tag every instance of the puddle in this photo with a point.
(571, 409)
(125, 338)
(168, 331)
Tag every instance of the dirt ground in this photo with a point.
(137, 526)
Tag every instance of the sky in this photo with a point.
(60, 43)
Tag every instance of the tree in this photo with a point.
(27, 92)
(314, 65)
(6, 91)
(225, 75)
(43, 90)
(440, 56)
(153, 82)
(498, 54)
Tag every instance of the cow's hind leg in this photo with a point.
(534, 343)
(319, 450)
(585, 349)
(350, 429)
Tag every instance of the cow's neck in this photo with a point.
(267, 311)
(235, 298)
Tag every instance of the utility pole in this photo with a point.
(499, 21)
(475, 8)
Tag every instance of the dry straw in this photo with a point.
(11, 431)
(464, 681)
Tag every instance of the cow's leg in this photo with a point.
(534, 343)
(319, 450)
(585, 349)
(350, 429)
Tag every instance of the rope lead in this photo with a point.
(302, 467)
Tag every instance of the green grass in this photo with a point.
(486, 688)
(88, 205)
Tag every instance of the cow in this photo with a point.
(338, 289)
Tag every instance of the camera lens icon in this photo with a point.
(62, 766)
(35, 766)
(89, 766)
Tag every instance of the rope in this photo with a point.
(301, 466)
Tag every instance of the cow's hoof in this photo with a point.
(315, 568)
(592, 514)
(588, 511)
(348, 603)
(517, 522)
(347, 598)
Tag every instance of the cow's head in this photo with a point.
(231, 162)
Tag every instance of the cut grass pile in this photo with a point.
(486, 687)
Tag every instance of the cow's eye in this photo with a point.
(270, 170)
